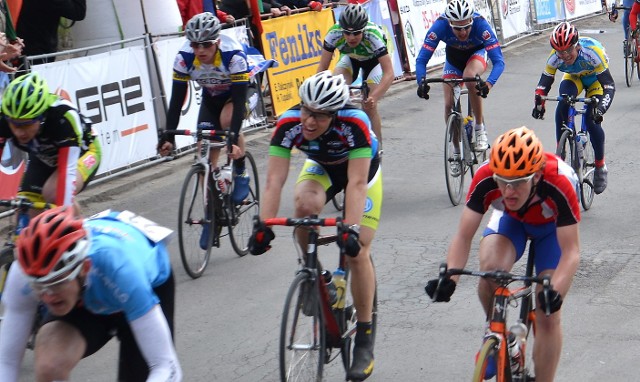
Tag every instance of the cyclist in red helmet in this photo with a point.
(101, 277)
(586, 67)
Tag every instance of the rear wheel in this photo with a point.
(588, 171)
(193, 214)
(242, 215)
(454, 168)
(629, 62)
(302, 332)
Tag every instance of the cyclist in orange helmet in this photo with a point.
(534, 196)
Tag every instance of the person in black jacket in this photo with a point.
(38, 24)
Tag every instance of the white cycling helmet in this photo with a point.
(459, 10)
(203, 27)
(324, 91)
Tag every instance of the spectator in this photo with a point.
(11, 45)
(190, 8)
(296, 4)
(38, 24)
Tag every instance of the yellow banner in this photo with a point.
(295, 41)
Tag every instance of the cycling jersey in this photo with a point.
(481, 36)
(372, 47)
(349, 137)
(633, 15)
(64, 142)
(555, 198)
(127, 263)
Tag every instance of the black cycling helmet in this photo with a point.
(354, 18)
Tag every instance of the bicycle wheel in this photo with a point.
(565, 148)
(453, 164)
(588, 171)
(629, 62)
(488, 353)
(302, 332)
(193, 214)
(241, 224)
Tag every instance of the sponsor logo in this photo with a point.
(89, 161)
(432, 36)
(315, 170)
(368, 205)
(486, 35)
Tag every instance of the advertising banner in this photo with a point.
(514, 15)
(577, 8)
(113, 90)
(295, 42)
(416, 17)
(549, 10)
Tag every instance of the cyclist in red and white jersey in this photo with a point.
(534, 197)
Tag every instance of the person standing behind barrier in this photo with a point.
(11, 45)
(362, 45)
(190, 8)
(38, 24)
(469, 39)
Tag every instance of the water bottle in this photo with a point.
(581, 141)
(341, 287)
(331, 287)
(23, 221)
(225, 176)
(468, 126)
(517, 336)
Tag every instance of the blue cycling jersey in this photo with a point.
(480, 36)
(125, 267)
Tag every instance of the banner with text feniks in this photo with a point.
(295, 42)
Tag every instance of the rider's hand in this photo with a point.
(613, 15)
(260, 239)
(423, 90)
(447, 287)
(597, 114)
(482, 89)
(164, 148)
(538, 109)
(236, 152)
(349, 241)
(555, 301)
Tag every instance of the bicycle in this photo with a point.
(19, 207)
(575, 148)
(631, 46)
(507, 347)
(357, 95)
(460, 155)
(312, 324)
(214, 207)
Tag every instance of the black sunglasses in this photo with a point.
(203, 44)
(462, 27)
(353, 33)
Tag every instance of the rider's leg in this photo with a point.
(548, 344)
(309, 199)
(570, 86)
(497, 251)
(59, 347)
(596, 133)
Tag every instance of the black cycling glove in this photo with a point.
(597, 114)
(444, 293)
(260, 239)
(349, 242)
(555, 301)
(482, 89)
(538, 109)
(423, 90)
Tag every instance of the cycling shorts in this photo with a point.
(543, 237)
(336, 181)
(589, 84)
(371, 69)
(455, 63)
(98, 329)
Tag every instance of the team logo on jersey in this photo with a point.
(317, 170)
(486, 35)
(368, 205)
(89, 161)
(432, 36)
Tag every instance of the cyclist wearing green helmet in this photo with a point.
(63, 156)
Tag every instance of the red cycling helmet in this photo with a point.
(53, 243)
(564, 36)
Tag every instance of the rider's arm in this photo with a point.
(431, 41)
(277, 171)
(325, 60)
(497, 60)
(356, 191)
(67, 174)
(608, 89)
(460, 246)
(239, 99)
(569, 241)
(387, 77)
(178, 93)
(154, 340)
(19, 312)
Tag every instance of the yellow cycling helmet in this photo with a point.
(516, 153)
(27, 97)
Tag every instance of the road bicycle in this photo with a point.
(575, 148)
(207, 200)
(631, 46)
(508, 348)
(460, 155)
(357, 95)
(18, 207)
(315, 329)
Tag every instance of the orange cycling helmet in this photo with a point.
(516, 153)
(53, 243)
(564, 36)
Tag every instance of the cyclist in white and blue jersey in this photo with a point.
(109, 275)
(469, 40)
(586, 67)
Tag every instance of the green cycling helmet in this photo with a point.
(26, 97)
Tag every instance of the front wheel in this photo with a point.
(241, 225)
(487, 359)
(194, 214)
(588, 171)
(629, 63)
(302, 332)
(565, 149)
(454, 168)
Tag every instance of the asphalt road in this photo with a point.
(228, 321)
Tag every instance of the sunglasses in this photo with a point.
(566, 52)
(57, 286)
(513, 183)
(23, 122)
(317, 115)
(353, 33)
(203, 44)
(462, 27)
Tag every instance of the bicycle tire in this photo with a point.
(587, 193)
(302, 332)
(192, 215)
(241, 224)
(629, 63)
(455, 182)
(490, 348)
(565, 149)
